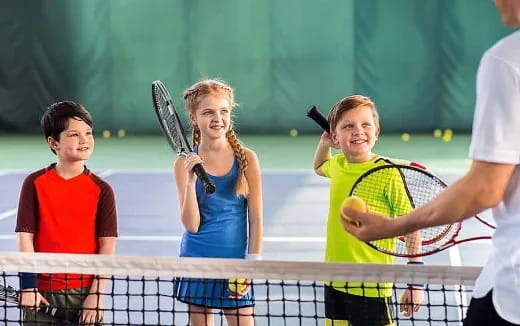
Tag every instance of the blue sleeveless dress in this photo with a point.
(222, 234)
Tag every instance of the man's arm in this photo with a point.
(481, 188)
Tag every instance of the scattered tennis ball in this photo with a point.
(437, 133)
(405, 137)
(121, 133)
(447, 138)
(238, 286)
(355, 203)
(293, 132)
(106, 134)
(448, 132)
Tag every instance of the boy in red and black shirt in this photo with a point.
(65, 208)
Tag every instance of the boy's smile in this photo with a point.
(75, 143)
(356, 134)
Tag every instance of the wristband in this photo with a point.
(415, 263)
(254, 257)
(28, 281)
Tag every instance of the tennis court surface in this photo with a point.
(288, 284)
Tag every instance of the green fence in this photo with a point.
(416, 59)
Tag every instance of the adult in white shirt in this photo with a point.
(493, 181)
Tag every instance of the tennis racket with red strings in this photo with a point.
(420, 186)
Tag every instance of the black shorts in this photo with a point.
(481, 311)
(358, 310)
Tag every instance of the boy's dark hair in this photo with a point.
(55, 118)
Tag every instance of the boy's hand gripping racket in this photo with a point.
(11, 296)
(419, 186)
(173, 130)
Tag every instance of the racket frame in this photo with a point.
(9, 295)
(158, 89)
(318, 117)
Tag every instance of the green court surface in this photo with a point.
(276, 153)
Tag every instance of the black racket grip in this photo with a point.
(209, 187)
(60, 313)
(319, 118)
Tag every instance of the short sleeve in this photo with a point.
(28, 208)
(325, 168)
(496, 125)
(106, 217)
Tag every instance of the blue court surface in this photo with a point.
(295, 212)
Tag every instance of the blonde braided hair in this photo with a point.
(192, 98)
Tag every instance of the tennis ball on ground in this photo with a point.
(447, 138)
(437, 133)
(121, 133)
(293, 132)
(238, 285)
(355, 203)
(106, 134)
(448, 132)
(405, 137)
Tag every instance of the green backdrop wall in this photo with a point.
(416, 59)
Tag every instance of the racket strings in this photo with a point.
(394, 191)
(168, 122)
(9, 294)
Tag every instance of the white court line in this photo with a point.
(178, 238)
(106, 173)
(462, 300)
(8, 213)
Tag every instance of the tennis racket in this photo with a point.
(173, 130)
(404, 185)
(11, 296)
(319, 118)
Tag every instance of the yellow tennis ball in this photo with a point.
(447, 138)
(356, 203)
(106, 134)
(405, 137)
(238, 285)
(437, 133)
(448, 132)
(121, 133)
(293, 132)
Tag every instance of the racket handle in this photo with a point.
(319, 118)
(209, 187)
(60, 313)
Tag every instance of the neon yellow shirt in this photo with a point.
(342, 246)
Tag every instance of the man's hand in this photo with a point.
(370, 226)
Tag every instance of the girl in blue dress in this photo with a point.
(217, 224)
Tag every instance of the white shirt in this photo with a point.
(496, 138)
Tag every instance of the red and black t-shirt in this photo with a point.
(66, 216)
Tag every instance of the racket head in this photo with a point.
(394, 190)
(169, 119)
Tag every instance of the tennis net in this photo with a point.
(144, 290)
